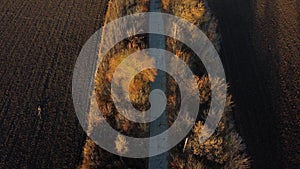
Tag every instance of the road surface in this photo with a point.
(161, 124)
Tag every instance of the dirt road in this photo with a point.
(40, 41)
(261, 42)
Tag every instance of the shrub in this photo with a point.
(93, 155)
(224, 149)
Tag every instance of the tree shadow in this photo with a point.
(246, 56)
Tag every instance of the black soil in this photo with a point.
(260, 52)
(40, 42)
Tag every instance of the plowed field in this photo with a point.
(39, 44)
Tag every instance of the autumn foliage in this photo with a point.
(224, 149)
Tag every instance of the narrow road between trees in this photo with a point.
(161, 124)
